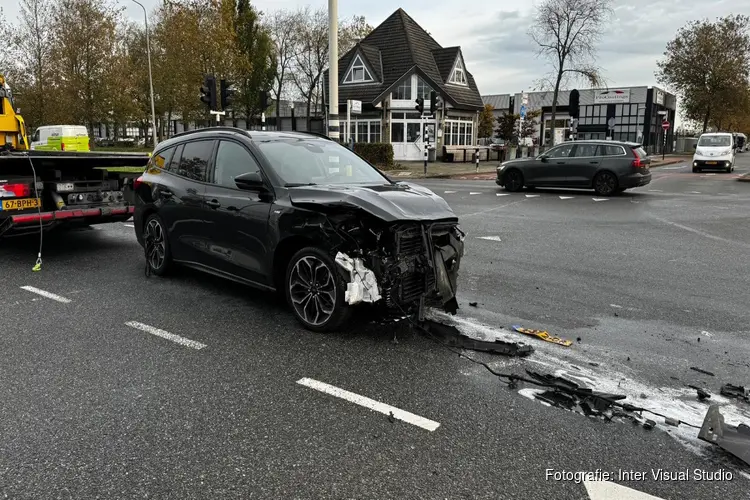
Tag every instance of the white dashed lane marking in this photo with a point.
(567, 197)
(490, 238)
(475, 192)
(600, 199)
(502, 194)
(371, 404)
(532, 196)
(46, 294)
(165, 335)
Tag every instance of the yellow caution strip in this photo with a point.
(543, 335)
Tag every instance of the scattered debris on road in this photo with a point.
(473, 304)
(452, 337)
(701, 370)
(702, 393)
(543, 335)
(735, 440)
(735, 391)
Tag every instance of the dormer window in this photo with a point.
(358, 72)
(458, 76)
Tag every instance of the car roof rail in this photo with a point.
(316, 134)
(211, 129)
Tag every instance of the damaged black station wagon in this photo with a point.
(299, 214)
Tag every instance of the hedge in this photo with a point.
(377, 153)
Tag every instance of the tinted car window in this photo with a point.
(317, 161)
(194, 161)
(232, 160)
(174, 162)
(561, 151)
(162, 158)
(585, 150)
(609, 150)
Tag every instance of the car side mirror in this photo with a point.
(695, 146)
(250, 181)
(544, 159)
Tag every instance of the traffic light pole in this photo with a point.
(263, 121)
(218, 114)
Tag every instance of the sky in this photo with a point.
(493, 35)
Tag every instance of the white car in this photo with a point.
(714, 151)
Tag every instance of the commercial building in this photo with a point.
(635, 110)
(387, 71)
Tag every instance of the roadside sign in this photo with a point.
(523, 111)
(356, 106)
(665, 125)
(611, 122)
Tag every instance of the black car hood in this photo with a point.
(519, 161)
(389, 202)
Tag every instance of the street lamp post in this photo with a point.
(150, 79)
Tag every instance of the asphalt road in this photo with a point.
(100, 399)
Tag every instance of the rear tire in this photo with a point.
(513, 181)
(605, 184)
(315, 291)
(156, 245)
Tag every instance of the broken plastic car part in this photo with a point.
(735, 440)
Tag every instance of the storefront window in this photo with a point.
(366, 130)
(459, 132)
(397, 132)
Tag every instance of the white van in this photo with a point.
(61, 138)
(715, 151)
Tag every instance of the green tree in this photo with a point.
(507, 129)
(567, 33)
(486, 120)
(257, 64)
(708, 64)
(528, 128)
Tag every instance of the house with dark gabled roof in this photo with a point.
(387, 71)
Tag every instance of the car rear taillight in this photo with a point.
(17, 190)
(638, 163)
(137, 183)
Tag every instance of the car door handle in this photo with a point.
(166, 193)
(213, 204)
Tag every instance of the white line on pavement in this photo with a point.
(655, 191)
(475, 192)
(567, 197)
(615, 306)
(605, 490)
(129, 225)
(165, 335)
(490, 238)
(44, 293)
(502, 194)
(449, 192)
(600, 199)
(532, 196)
(377, 406)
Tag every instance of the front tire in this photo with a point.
(156, 246)
(605, 184)
(315, 291)
(513, 181)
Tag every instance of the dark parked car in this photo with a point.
(299, 214)
(607, 167)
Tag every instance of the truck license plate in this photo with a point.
(710, 163)
(20, 204)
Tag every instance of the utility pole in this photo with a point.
(150, 79)
(333, 71)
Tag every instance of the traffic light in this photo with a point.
(433, 102)
(573, 108)
(264, 97)
(227, 93)
(420, 105)
(208, 91)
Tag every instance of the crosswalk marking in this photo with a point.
(449, 192)
(532, 196)
(502, 194)
(605, 490)
(600, 199)
(490, 238)
(475, 192)
(567, 197)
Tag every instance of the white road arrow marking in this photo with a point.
(475, 192)
(600, 199)
(490, 238)
(532, 196)
(567, 197)
(449, 192)
(605, 490)
(502, 194)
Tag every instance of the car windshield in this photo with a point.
(714, 141)
(317, 161)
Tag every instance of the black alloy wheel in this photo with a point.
(513, 181)
(605, 184)
(315, 290)
(156, 244)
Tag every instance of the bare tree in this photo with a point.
(281, 25)
(567, 33)
(311, 55)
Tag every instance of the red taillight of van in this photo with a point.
(137, 183)
(62, 146)
(17, 190)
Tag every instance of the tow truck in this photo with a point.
(42, 190)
